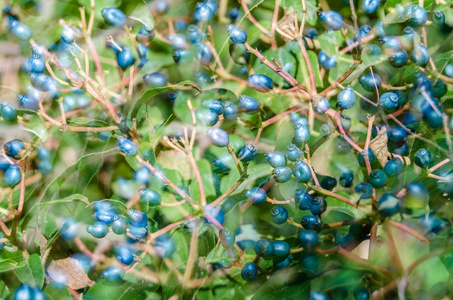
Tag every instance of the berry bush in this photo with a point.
(248, 149)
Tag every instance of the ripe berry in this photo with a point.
(24, 292)
(366, 189)
(136, 233)
(218, 136)
(346, 179)
(127, 146)
(331, 20)
(230, 111)
(145, 35)
(203, 54)
(119, 224)
(137, 218)
(142, 176)
(423, 158)
(68, 34)
(237, 35)
(69, 229)
(370, 82)
(301, 134)
(325, 61)
(388, 205)
(398, 58)
(124, 255)
(361, 293)
(318, 296)
(98, 229)
(8, 112)
(293, 153)
(439, 17)
(206, 116)
(328, 183)
(282, 174)
(149, 198)
(318, 205)
(264, 248)
(279, 214)
(439, 89)
(125, 58)
(378, 178)
(12, 175)
(260, 82)
(233, 14)
(320, 104)
(21, 31)
(420, 55)
(14, 148)
(203, 12)
(370, 6)
(346, 98)
(281, 251)
(214, 105)
(248, 104)
(361, 158)
(165, 246)
(114, 17)
(417, 15)
(105, 216)
(276, 159)
(308, 239)
(113, 273)
(248, 152)
(302, 172)
(311, 222)
(37, 64)
(311, 33)
(155, 80)
(249, 271)
(393, 167)
(256, 195)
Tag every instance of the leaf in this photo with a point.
(70, 272)
(379, 146)
(37, 127)
(82, 121)
(277, 287)
(32, 272)
(142, 14)
(107, 290)
(9, 264)
(149, 94)
(207, 180)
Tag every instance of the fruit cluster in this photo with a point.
(203, 154)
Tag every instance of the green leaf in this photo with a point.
(277, 288)
(207, 180)
(83, 121)
(142, 14)
(32, 272)
(37, 127)
(107, 290)
(4, 291)
(149, 94)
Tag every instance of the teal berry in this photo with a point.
(20, 30)
(119, 224)
(239, 54)
(248, 104)
(317, 205)
(420, 55)
(370, 6)
(37, 64)
(417, 15)
(320, 104)
(194, 34)
(230, 111)
(331, 20)
(327, 182)
(203, 12)
(276, 159)
(361, 293)
(203, 79)
(137, 233)
(325, 61)
(137, 218)
(227, 237)
(264, 248)
(203, 54)
(260, 82)
(439, 18)
(69, 229)
(124, 254)
(361, 158)
(98, 229)
(113, 16)
(439, 89)
(248, 152)
(206, 116)
(149, 198)
(282, 174)
(237, 35)
(249, 271)
(125, 58)
(14, 148)
(398, 58)
(283, 264)
(346, 179)
(256, 195)
(105, 216)
(346, 98)
(301, 134)
(308, 239)
(370, 82)
(155, 80)
(279, 214)
(388, 205)
(127, 146)
(293, 153)
(145, 35)
(365, 189)
(303, 199)
(318, 296)
(423, 158)
(12, 176)
(393, 167)
(213, 105)
(302, 172)
(377, 178)
(281, 251)
(311, 222)
(218, 137)
(8, 112)
(113, 273)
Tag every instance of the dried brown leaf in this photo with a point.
(379, 146)
(69, 271)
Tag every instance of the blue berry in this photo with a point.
(397, 135)
(119, 224)
(281, 251)
(233, 14)
(20, 30)
(194, 34)
(365, 189)
(24, 292)
(331, 20)
(206, 116)
(393, 167)
(328, 183)
(423, 158)
(237, 35)
(203, 54)
(276, 159)
(137, 232)
(260, 82)
(124, 255)
(303, 199)
(8, 112)
(264, 248)
(311, 222)
(302, 172)
(230, 111)
(420, 55)
(4, 163)
(361, 293)
(346, 98)
(378, 178)
(12, 175)
(279, 214)
(98, 229)
(301, 134)
(370, 6)
(142, 176)
(113, 273)
(213, 105)
(149, 197)
(308, 239)
(14, 148)
(256, 195)
(125, 58)
(84, 260)
(249, 271)
(113, 16)
(282, 174)
(417, 15)
(398, 58)
(388, 205)
(137, 218)
(449, 70)
(325, 61)
(439, 89)
(346, 179)
(105, 216)
(248, 104)
(370, 82)
(318, 296)
(203, 79)
(165, 246)
(317, 205)
(68, 34)
(361, 158)
(247, 153)
(320, 104)
(155, 80)
(439, 17)
(219, 137)
(37, 64)
(203, 12)
(145, 35)
(127, 146)
(293, 153)
(311, 33)
(69, 229)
